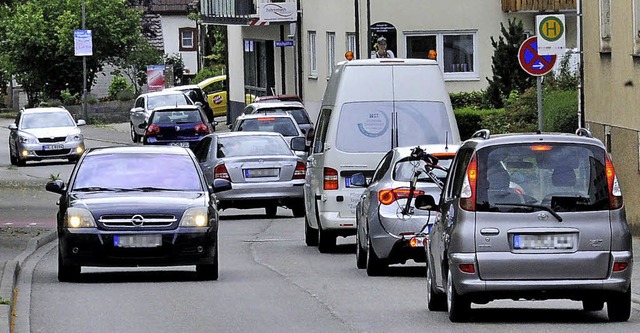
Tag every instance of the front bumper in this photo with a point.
(44, 151)
(93, 247)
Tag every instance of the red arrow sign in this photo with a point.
(532, 62)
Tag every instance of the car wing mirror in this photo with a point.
(359, 180)
(81, 122)
(425, 202)
(220, 185)
(55, 186)
(13, 127)
(299, 144)
(143, 125)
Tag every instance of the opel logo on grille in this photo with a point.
(543, 216)
(137, 220)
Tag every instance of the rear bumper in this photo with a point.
(577, 289)
(253, 195)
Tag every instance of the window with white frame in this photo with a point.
(331, 52)
(313, 57)
(605, 25)
(456, 52)
(351, 42)
(636, 27)
(188, 39)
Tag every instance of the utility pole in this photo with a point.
(84, 72)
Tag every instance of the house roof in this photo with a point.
(171, 6)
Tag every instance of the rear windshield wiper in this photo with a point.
(548, 209)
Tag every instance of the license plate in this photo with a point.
(52, 147)
(180, 144)
(137, 241)
(256, 173)
(544, 242)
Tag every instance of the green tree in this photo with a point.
(38, 42)
(508, 76)
(133, 64)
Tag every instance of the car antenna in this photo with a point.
(446, 140)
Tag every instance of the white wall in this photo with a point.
(171, 36)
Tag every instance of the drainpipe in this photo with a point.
(356, 18)
(283, 72)
(299, 47)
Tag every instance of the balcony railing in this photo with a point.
(538, 5)
(232, 11)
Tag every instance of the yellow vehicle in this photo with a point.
(216, 90)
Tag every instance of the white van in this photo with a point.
(369, 107)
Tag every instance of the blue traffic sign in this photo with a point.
(281, 43)
(532, 62)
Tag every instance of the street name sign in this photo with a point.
(532, 62)
(284, 43)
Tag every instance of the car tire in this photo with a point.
(435, 301)
(13, 159)
(326, 240)
(310, 234)
(592, 304)
(619, 306)
(298, 209)
(458, 306)
(67, 273)
(271, 211)
(208, 271)
(361, 254)
(134, 136)
(375, 265)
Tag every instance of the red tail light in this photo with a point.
(330, 179)
(615, 193)
(468, 193)
(467, 268)
(389, 196)
(300, 171)
(620, 266)
(202, 129)
(220, 171)
(153, 130)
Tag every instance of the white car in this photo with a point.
(45, 133)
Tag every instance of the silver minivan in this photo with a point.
(530, 217)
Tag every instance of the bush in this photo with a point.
(67, 98)
(125, 95)
(92, 99)
(560, 111)
(208, 72)
(474, 99)
(522, 111)
(117, 85)
(471, 120)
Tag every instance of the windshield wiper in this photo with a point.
(548, 209)
(152, 189)
(97, 189)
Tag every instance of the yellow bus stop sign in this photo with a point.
(551, 28)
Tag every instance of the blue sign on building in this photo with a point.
(284, 43)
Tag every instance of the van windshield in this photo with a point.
(366, 127)
(563, 177)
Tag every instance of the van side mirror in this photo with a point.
(359, 180)
(426, 202)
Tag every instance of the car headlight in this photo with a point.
(27, 139)
(195, 217)
(75, 137)
(79, 218)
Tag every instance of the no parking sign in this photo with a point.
(532, 62)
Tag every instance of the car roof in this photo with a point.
(185, 87)
(212, 79)
(278, 98)
(177, 108)
(44, 110)
(276, 105)
(138, 150)
(262, 115)
(513, 138)
(244, 133)
(163, 92)
(431, 149)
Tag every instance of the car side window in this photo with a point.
(321, 130)
(455, 178)
(202, 148)
(383, 166)
(139, 102)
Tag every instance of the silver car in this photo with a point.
(533, 217)
(296, 109)
(389, 231)
(45, 133)
(146, 103)
(263, 170)
(282, 123)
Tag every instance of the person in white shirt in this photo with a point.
(382, 50)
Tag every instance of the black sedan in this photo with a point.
(137, 206)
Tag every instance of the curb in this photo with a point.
(10, 277)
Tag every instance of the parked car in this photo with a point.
(282, 123)
(45, 133)
(216, 90)
(530, 216)
(388, 231)
(180, 126)
(265, 173)
(118, 212)
(146, 103)
(199, 98)
(296, 109)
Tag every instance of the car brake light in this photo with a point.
(467, 268)
(389, 196)
(153, 130)
(445, 156)
(220, 171)
(267, 119)
(615, 193)
(300, 171)
(541, 147)
(620, 266)
(468, 193)
(202, 129)
(330, 179)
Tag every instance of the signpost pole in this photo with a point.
(539, 87)
(84, 73)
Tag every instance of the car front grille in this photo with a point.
(52, 152)
(137, 221)
(55, 139)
